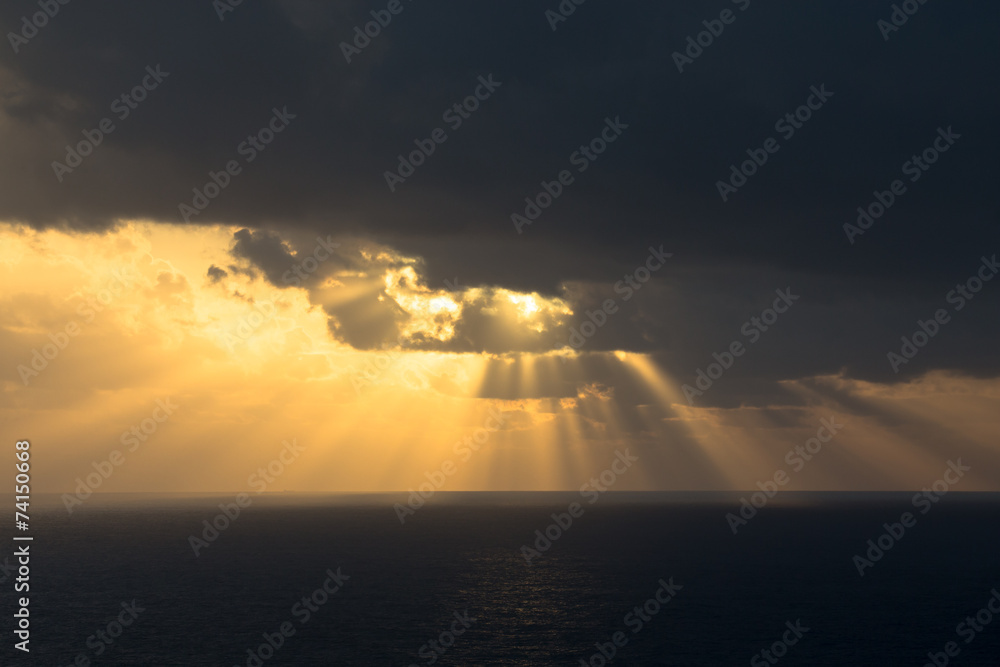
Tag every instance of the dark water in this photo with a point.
(406, 583)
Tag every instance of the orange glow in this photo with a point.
(250, 364)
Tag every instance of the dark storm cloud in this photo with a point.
(323, 173)
(215, 273)
(265, 250)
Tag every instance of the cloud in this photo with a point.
(247, 369)
(265, 250)
(323, 175)
(684, 316)
(215, 274)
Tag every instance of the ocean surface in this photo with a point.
(455, 574)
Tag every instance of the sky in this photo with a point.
(494, 246)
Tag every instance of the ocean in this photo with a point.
(632, 579)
